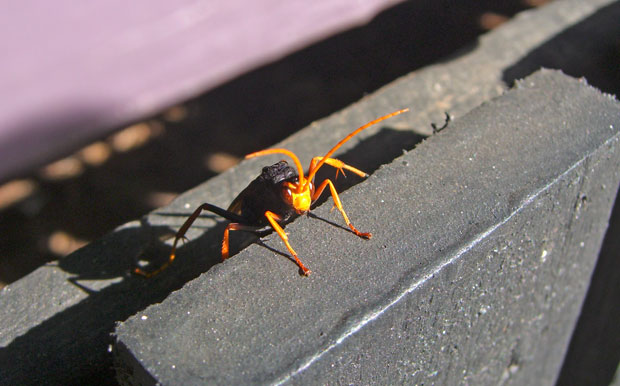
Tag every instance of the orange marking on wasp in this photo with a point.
(275, 196)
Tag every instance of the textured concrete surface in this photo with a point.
(594, 352)
(485, 238)
(61, 316)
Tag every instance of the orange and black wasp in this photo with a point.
(275, 196)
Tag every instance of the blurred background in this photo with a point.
(50, 209)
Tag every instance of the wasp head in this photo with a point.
(300, 201)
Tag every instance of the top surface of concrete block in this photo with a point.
(253, 319)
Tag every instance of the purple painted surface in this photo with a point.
(70, 70)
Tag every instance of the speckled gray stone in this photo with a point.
(485, 238)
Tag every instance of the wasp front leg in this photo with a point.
(339, 165)
(273, 220)
(338, 204)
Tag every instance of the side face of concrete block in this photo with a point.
(594, 352)
(484, 239)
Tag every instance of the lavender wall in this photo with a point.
(70, 71)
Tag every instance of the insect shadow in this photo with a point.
(368, 155)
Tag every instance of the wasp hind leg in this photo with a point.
(180, 235)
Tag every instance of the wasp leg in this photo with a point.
(235, 227)
(273, 220)
(338, 204)
(180, 235)
(339, 165)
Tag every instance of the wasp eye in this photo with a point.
(287, 195)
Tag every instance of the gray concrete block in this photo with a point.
(485, 238)
(594, 352)
(61, 316)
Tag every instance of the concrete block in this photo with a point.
(485, 238)
(61, 316)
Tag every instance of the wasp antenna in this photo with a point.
(300, 170)
(312, 172)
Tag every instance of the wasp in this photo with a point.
(274, 197)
